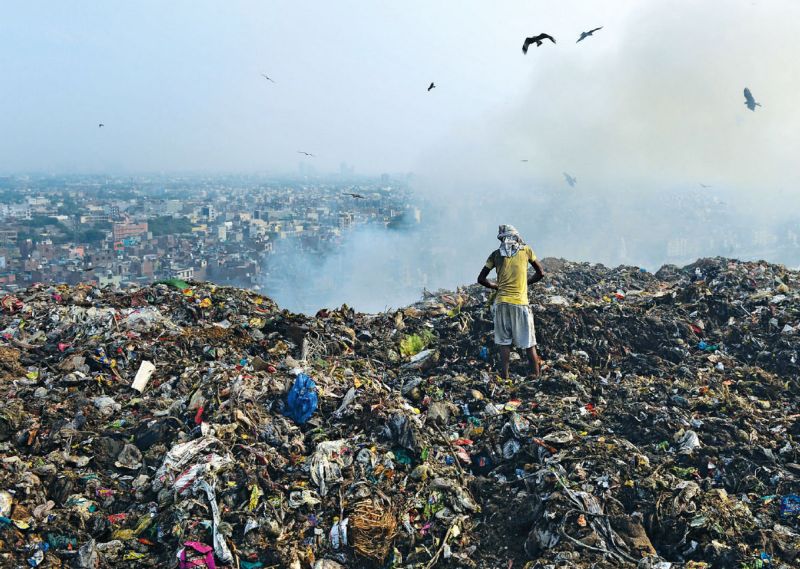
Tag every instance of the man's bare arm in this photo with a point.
(539, 272)
(482, 280)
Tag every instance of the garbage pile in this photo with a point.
(189, 425)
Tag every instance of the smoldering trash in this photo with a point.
(188, 425)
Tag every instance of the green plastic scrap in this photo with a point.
(684, 472)
(401, 456)
(413, 344)
(175, 283)
(61, 541)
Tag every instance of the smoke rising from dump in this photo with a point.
(670, 164)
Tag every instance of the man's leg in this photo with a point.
(505, 356)
(533, 357)
(503, 336)
(530, 336)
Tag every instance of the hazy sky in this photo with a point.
(178, 86)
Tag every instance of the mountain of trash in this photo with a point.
(189, 425)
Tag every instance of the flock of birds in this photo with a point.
(539, 39)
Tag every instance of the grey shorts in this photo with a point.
(514, 323)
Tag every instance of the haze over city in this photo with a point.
(647, 114)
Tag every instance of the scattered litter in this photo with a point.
(662, 433)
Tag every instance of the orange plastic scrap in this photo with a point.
(544, 445)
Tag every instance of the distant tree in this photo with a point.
(68, 207)
(41, 221)
(11, 196)
(92, 236)
(24, 235)
(168, 225)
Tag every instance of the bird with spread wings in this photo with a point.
(537, 40)
(585, 35)
(749, 101)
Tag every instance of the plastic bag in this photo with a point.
(302, 400)
(790, 506)
(196, 554)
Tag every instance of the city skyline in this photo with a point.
(322, 242)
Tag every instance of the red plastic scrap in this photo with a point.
(117, 518)
(11, 303)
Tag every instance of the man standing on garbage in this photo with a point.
(513, 320)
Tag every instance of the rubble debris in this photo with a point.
(184, 424)
(146, 370)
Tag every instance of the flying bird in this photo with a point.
(306, 153)
(524, 160)
(749, 100)
(571, 180)
(537, 40)
(585, 35)
(101, 125)
(702, 185)
(267, 77)
(431, 86)
(357, 196)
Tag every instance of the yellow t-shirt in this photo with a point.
(512, 275)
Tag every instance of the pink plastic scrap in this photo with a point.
(201, 548)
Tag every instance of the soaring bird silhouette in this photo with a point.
(101, 125)
(524, 160)
(306, 153)
(537, 40)
(357, 196)
(585, 35)
(431, 86)
(267, 77)
(749, 100)
(702, 185)
(571, 180)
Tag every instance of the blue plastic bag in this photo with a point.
(302, 400)
(790, 506)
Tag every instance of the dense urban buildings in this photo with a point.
(116, 231)
(318, 241)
